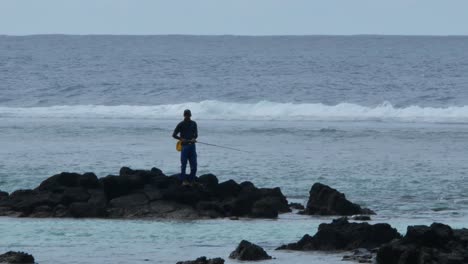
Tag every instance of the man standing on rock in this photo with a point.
(187, 132)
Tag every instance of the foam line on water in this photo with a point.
(263, 110)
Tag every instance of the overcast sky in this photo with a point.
(237, 17)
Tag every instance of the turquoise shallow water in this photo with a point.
(389, 167)
(397, 169)
(162, 241)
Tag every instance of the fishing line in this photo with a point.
(214, 145)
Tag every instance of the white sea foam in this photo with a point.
(263, 110)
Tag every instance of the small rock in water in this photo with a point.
(249, 251)
(324, 200)
(203, 260)
(296, 206)
(343, 235)
(360, 255)
(437, 243)
(16, 257)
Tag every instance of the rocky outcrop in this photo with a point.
(343, 235)
(203, 260)
(142, 194)
(249, 251)
(16, 257)
(437, 243)
(324, 200)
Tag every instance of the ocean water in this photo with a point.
(383, 119)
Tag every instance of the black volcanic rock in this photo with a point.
(115, 186)
(437, 243)
(85, 209)
(264, 208)
(3, 195)
(25, 201)
(248, 251)
(97, 198)
(343, 235)
(142, 194)
(74, 194)
(209, 180)
(228, 189)
(129, 201)
(65, 179)
(203, 260)
(324, 200)
(271, 205)
(16, 257)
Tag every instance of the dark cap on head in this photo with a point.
(187, 112)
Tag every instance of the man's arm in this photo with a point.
(176, 132)
(195, 132)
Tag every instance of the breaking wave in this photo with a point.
(264, 110)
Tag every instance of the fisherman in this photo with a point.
(186, 132)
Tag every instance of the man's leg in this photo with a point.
(193, 162)
(183, 162)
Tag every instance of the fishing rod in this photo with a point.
(213, 145)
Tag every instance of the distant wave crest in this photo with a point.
(263, 110)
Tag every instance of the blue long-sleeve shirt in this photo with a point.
(187, 129)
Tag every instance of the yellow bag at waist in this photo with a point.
(179, 146)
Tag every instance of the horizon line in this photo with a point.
(238, 35)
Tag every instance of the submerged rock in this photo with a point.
(296, 206)
(140, 194)
(343, 235)
(16, 257)
(249, 251)
(437, 243)
(203, 260)
(360, 255)
(324, 200)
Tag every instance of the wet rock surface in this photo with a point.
(3, 195)
(360, 218)
(437, 243)
(360, 255)
(203, 260)
(324, 200)
(249, 251)
(142, 194)
(16, 257)
(296, 206)
(343, 235)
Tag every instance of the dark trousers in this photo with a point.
(188, 153)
